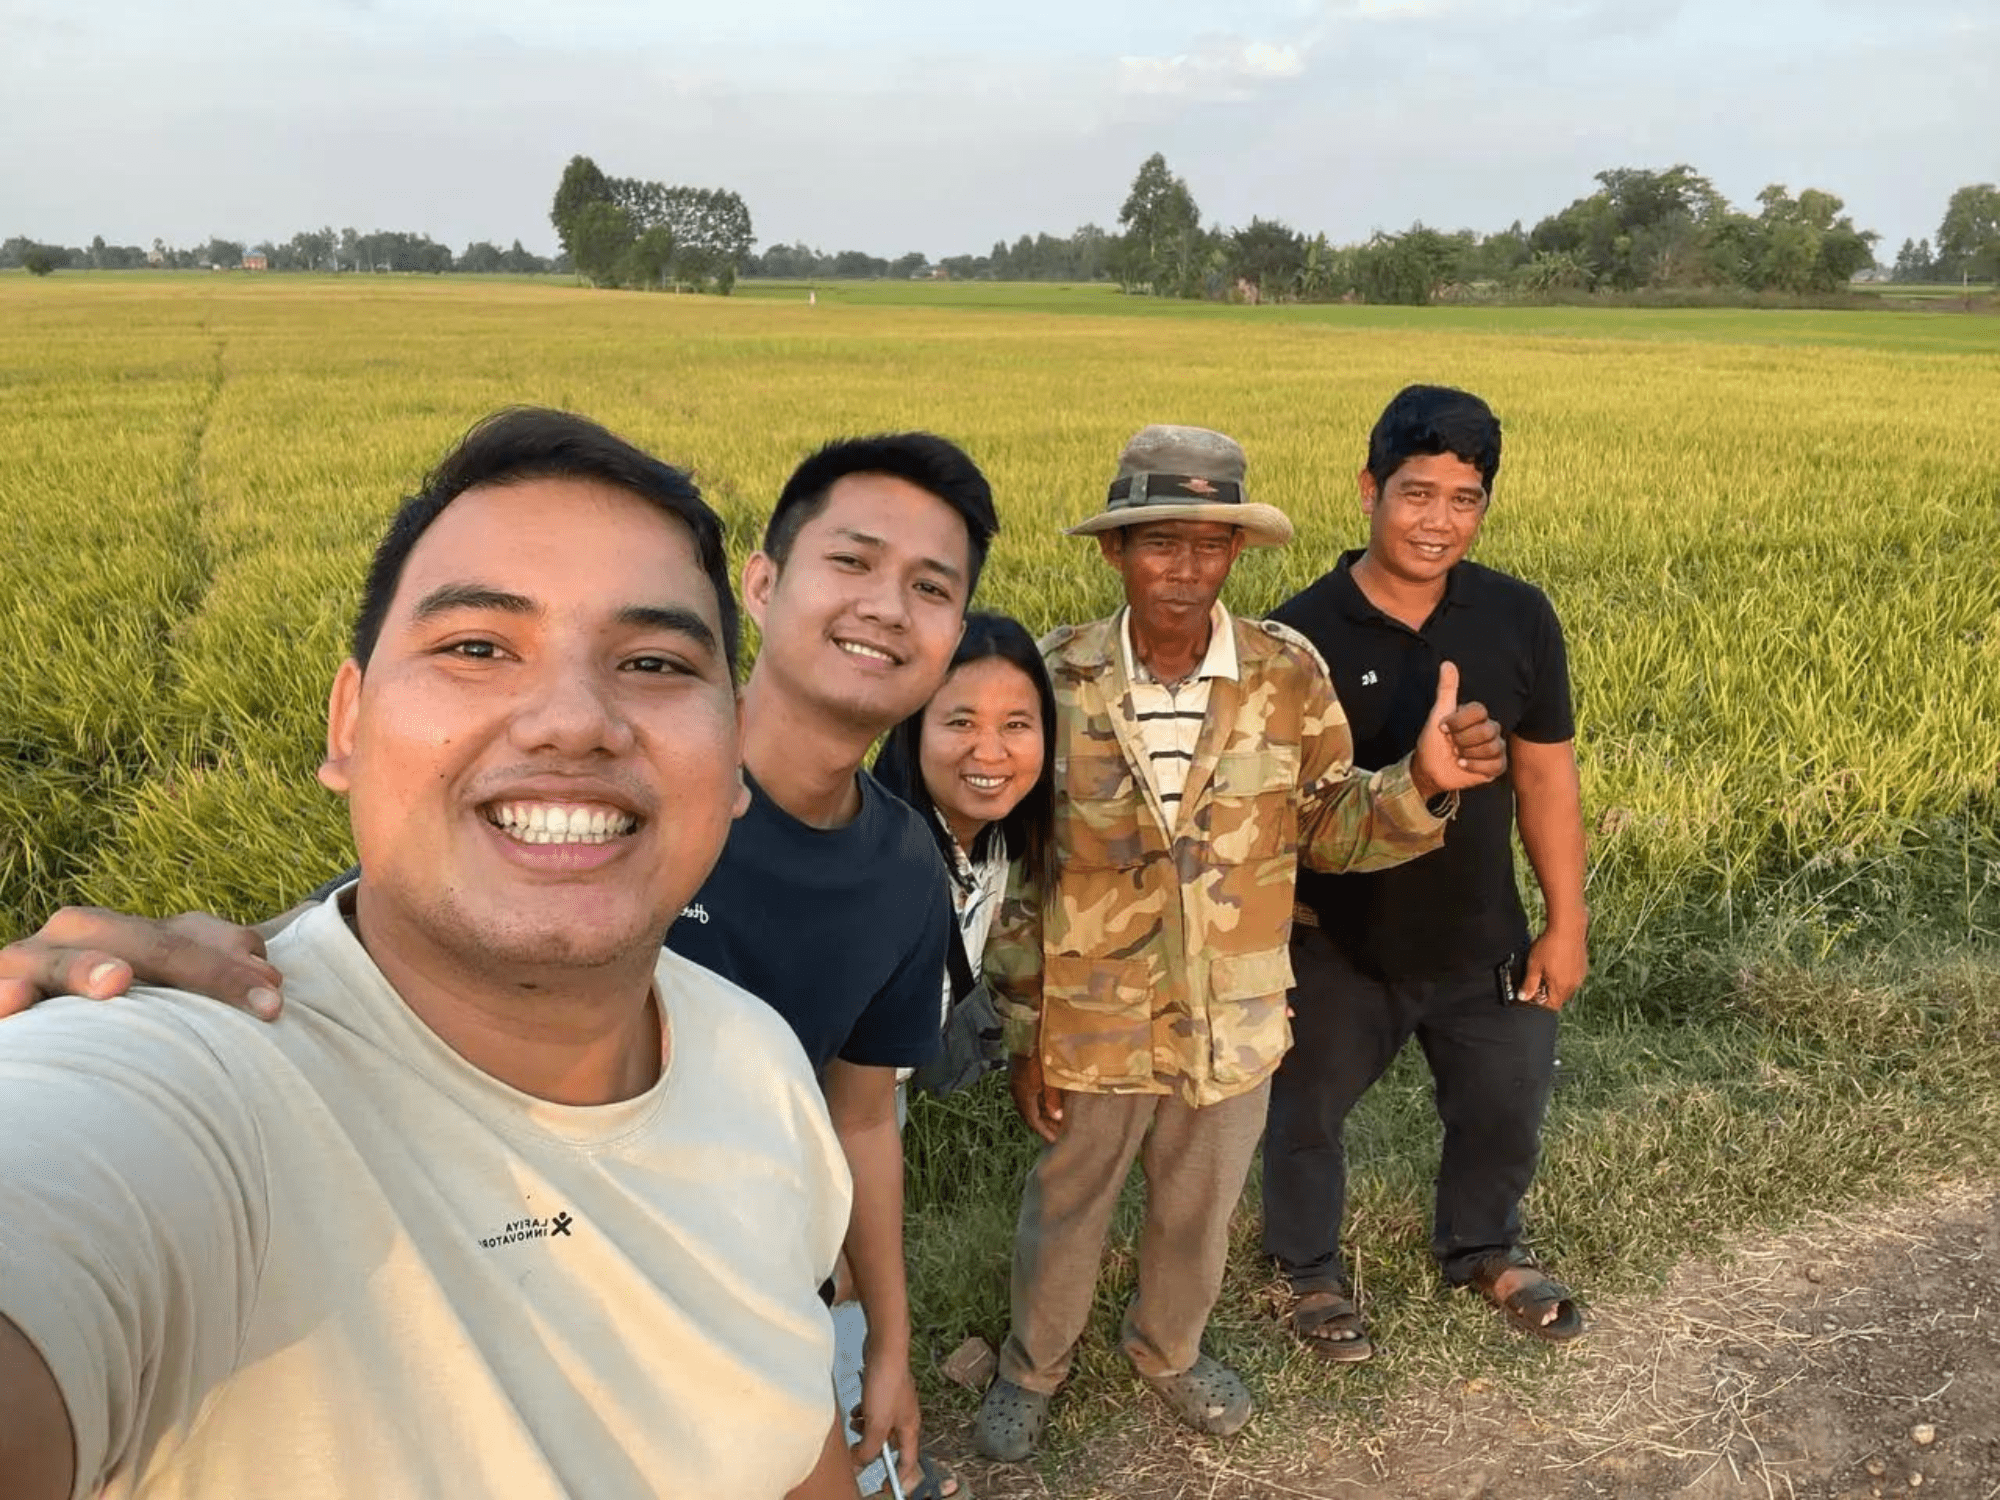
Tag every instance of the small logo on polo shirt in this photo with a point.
(697, 913)
(520, 1231)
(1369, 679)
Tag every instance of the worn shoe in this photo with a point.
(1010, 1422)
(1209, 1397)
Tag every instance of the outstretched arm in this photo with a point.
(86, 950)
(1352, 819)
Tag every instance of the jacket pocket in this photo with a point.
(1247, 1028)
(1097, 818)
(1097, 1020)
(1253, 805)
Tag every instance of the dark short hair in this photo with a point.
(924, 459)
(1029, 828)
(1428, 419)
(533, 442)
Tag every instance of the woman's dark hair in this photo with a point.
(1029, 828)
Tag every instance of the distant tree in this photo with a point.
(904, 267)
(1808, 244)
(1498, 257)
(518, 261)
(859, 265)
(649, 258)
(1968, 237)
(582, 185)
(1641, 228)
(1325, 271)
(1267, 254)
(1554, 271)
(1090, 253)
(1914, 262)
(38, 260)
(1163, 250)
(1407, 268)
(481, 258)
(312, 250)
(598, 240)
(223, 254)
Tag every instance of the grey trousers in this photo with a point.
(1195, 1161)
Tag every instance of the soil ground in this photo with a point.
(1859, 1357)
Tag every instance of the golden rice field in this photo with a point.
(1774, 539)
(1772, 535)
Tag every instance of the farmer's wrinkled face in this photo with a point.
(1173, 570)
(861, 619)
(1423, 520)
(540, 757)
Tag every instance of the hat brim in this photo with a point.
(1265, 525)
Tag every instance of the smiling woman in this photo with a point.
(979, 761)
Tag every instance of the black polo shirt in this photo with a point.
(1457, 907)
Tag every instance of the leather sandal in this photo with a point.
(1328, 1323)
(1528, 1304)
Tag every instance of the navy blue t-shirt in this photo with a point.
(1457, 907)
(842, 931)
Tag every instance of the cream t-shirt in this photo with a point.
(330, 1258)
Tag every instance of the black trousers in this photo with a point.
(1491, 1064)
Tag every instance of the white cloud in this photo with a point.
(1220, 69)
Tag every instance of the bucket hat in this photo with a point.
(1170, 473)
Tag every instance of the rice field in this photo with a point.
(1774, 539)
(1772, 536)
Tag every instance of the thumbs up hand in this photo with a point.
(1461, 745)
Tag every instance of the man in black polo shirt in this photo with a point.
(1437, 948)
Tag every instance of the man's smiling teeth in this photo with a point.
(559, 823)
(855, 648)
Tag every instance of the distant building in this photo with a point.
(256, 260)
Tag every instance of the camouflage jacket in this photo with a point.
(1159, 961)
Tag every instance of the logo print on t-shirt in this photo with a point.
(1369, 679)
(697, 912)
(519, 1231)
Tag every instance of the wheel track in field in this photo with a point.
(193, 498)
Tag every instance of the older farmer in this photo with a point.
(1199, 758)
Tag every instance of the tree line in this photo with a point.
(625, 231)
(326, 249)
(1968, 241)
(1642, 231)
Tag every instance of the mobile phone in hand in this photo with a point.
(1510, 976)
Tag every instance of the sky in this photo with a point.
(891, 126)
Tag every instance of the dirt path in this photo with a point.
(1858, 1358)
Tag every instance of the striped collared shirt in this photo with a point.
(1170, 716)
